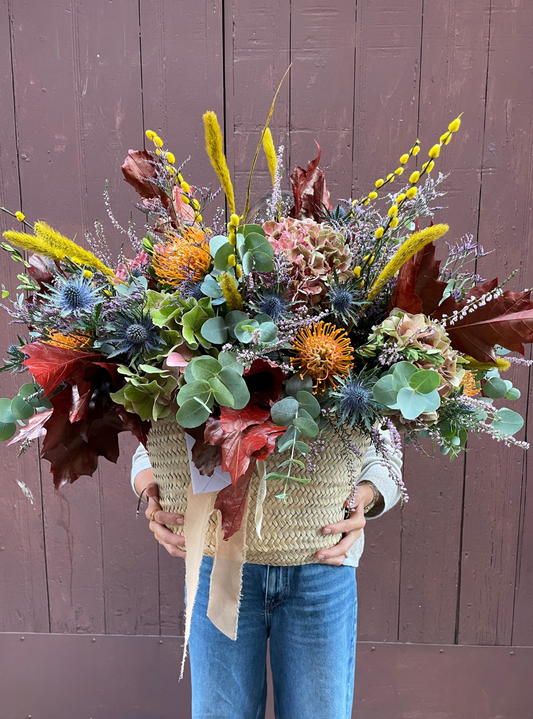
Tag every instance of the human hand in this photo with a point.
(350, 528)
(173, 543)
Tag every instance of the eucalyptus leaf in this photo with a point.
(384, 392)
(424, 380)
(262, 262)
(269, 332)
(401, 375)
(205, 367)
(249, 229)
(214, 330)
(432, 400)
(247, 263)
(211, 288)
(284, 411)
(222, 394)
(495, 388)
(298, 384)
(20, 409)
(221, 257)
(200, 388)
(507, 421)
(215, 243)
(306, 426)
(229, 359)
(7, 430)
(5, 412)
(513, 394)
(286, 440)
(410, 403)
(236, 385)
(233, 318)
(308, 402)
(192, 414)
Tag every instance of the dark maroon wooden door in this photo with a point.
(89, 607)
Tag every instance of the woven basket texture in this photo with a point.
(291, 530)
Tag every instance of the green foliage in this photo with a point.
(410, 390)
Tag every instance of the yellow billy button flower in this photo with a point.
(435, 151)
(390, 177)
(411, 192)
(372, 195)
(232, 261)
(428, 166)
(393, 211)
(393, 222)
(150, 134)
(404, 159)
(185, 187)
(170, 158)
(399, 171)
(414, 177)
(455, 125)
(87, 274)
(158, 142)
(400, 198)
(171, 170)
(232, 237)
(379, 183)
(185, 199)
(180, 177)
(157, 151)
(416, 150)
(369, 258)
(196, 204)
(234, 220)
(445, 139)
(379, 233)
(238, 271)
(199, 218)
(20, 216)
(357, 272)
(366, 202)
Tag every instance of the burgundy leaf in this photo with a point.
(231, 502)
(237, 420)
(264, 381)
(309, 190)
(52, 365)
(418, 288)
(206, 457)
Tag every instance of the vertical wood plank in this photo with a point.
(494, 472)
(257, 56)
(387, 65)
(183, 76)
(52, 151)
(109, 95)
(322, 89)
(23, 590)
(454, 55)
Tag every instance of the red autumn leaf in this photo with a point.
(264, 381)
(206, 457)
(139, 170)
(34, 429)
(52, 365)
(506, 321)
(231, 502)
(41, 269)
(239, 447)
(74, 448)
(237, 420)
(309, 190)
(418, 288)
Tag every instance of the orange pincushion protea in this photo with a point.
(186, 256)
(72, 342)
(469, 384)
(322, 351)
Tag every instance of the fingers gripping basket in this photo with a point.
(292, 531)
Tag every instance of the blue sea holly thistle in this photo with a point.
(353, 401)
(73, 295)
(131, 333)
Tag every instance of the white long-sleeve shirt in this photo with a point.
(373, 470)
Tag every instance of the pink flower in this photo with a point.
(126, 268)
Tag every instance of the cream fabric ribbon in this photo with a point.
(226, 575)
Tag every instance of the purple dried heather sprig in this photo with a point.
(520, 360)
(275, 202)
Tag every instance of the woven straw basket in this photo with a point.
(291, 531)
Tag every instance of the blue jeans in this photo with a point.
(309, 613)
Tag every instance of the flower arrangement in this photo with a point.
(292, 321)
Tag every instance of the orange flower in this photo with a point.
(322, 351)
(186, 256)
(469, 384)
(73, 342)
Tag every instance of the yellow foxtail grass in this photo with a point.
(265, 128)
(55, 240)
(410, 247)
(32, 244)
(270, 153)
(501, 364)
(231, 293)
(213, 146)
